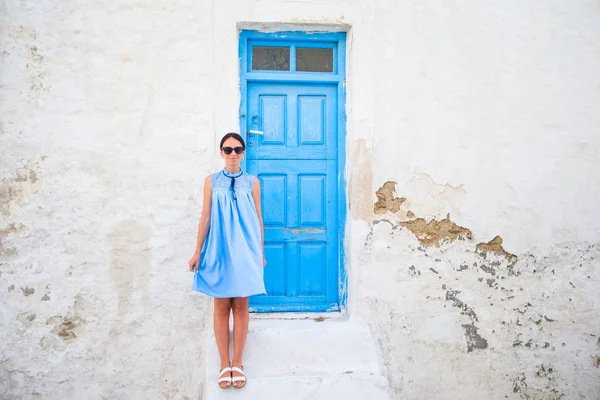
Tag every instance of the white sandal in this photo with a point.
(238, 378)
(225, 379)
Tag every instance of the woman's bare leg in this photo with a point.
(241, 318)
(221, 327)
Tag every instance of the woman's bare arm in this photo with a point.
(204, 223)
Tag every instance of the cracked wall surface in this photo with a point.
(524, 326)
(482, 280)
(453, 323)
(104, 142)
(476, 317)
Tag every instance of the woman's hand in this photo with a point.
(194, 263)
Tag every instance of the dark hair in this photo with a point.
(232, 135)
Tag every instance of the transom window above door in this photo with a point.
(297, 57)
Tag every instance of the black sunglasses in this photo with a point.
(228, 150)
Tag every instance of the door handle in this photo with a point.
(254, 121)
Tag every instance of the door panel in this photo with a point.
(311, 207)
(298, 121)
(295, 160)
(275, 276)
(311, 118)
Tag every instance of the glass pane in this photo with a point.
(314, 60)
(271, 58)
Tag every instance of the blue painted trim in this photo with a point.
(342, 184)
(243, 55)
(305, 77)
(293, 58)
(319, 44)
(298, 308)
(295, 35)
(293, 77)
(327, 45)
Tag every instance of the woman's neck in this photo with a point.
(232, 169)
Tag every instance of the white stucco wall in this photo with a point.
(484, 110)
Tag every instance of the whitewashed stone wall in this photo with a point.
(487, 111)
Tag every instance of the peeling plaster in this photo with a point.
(431, 200)
(64, 329)
(538, 314)
(495, 246)
(422, 197)
(474, 340)
(387, 200)
(534, 326)
(520, 312)
(436, 232)
(465, 309)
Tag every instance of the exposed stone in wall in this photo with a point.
(387, 200)
(495, 246)
(435, 232)
(429, 232)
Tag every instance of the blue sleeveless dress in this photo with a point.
(231, 263)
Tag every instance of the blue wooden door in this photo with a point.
(292, 116)
(292, 137)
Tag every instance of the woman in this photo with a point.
(229, 258)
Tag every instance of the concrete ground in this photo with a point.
(305, 359)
